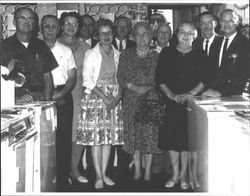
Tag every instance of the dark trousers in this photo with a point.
(63, 142)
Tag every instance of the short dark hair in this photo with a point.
(208, 13)
(88, 16)
(163, 24)
(104, 22)
(123, 18)
(23, 8)
(48, 16)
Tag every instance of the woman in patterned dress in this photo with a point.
(136, 76)
(100, 125)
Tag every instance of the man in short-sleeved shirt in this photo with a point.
(32, 56)
(64, 77)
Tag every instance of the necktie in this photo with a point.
(224, 51)
(206, 47)
(120, 46)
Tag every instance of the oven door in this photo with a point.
(20, 150)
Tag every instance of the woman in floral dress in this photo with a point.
(136, 76)
(100, 125)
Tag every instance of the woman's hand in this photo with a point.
(139, 89)
(107, 101)
(179, 99)
(113, 104)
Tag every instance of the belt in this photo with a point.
(60, 87)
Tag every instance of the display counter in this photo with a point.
(219, 129)
(38, 154)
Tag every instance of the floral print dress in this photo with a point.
(140, 71)
(97, 126)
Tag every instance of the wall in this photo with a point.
(136, 12)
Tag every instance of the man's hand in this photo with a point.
(24, 99)
(11, 64)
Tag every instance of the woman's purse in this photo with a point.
(151, 112)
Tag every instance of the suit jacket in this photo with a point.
(214, 51)
(93, 42)
(232, 74)
(129, 44)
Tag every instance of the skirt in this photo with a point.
(96, 125)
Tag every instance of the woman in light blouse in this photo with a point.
(100, 125)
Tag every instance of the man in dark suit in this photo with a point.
(87, 30)
(209, 42)
(121, 41)
(233, 59)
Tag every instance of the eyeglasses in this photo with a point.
(202, 24)
(29, 19)
(47, 27)
(71, 24)
(103, 34)
(186, 33)
(144, 35)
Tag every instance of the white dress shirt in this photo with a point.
(66, 62)
(210, 41)
(89, 41)
(230, 39)
(124, 43)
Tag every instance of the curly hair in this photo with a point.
(104, 23)
(189, 24)
(145, 25)
(76, 15)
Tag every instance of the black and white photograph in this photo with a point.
(125, 97)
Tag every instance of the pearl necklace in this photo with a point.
(142, 53)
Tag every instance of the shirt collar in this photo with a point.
(210, 40)
(231, 37)
(118, 41)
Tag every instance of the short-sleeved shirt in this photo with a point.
(66, 61)
(34, 61)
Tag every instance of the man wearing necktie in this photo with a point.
(209, 42)
(123, 26)
(233, 59)
(121, 42)
(87, 30)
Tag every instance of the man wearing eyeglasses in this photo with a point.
(32, 58)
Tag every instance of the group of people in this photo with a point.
(98, 77)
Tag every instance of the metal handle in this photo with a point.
(30, 136)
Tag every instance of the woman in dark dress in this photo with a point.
(179, 77)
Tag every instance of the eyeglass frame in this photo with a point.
(103, 34)
(144, 35)
(181, 32)
(47, 26)
(29, 19)
(71, 24)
